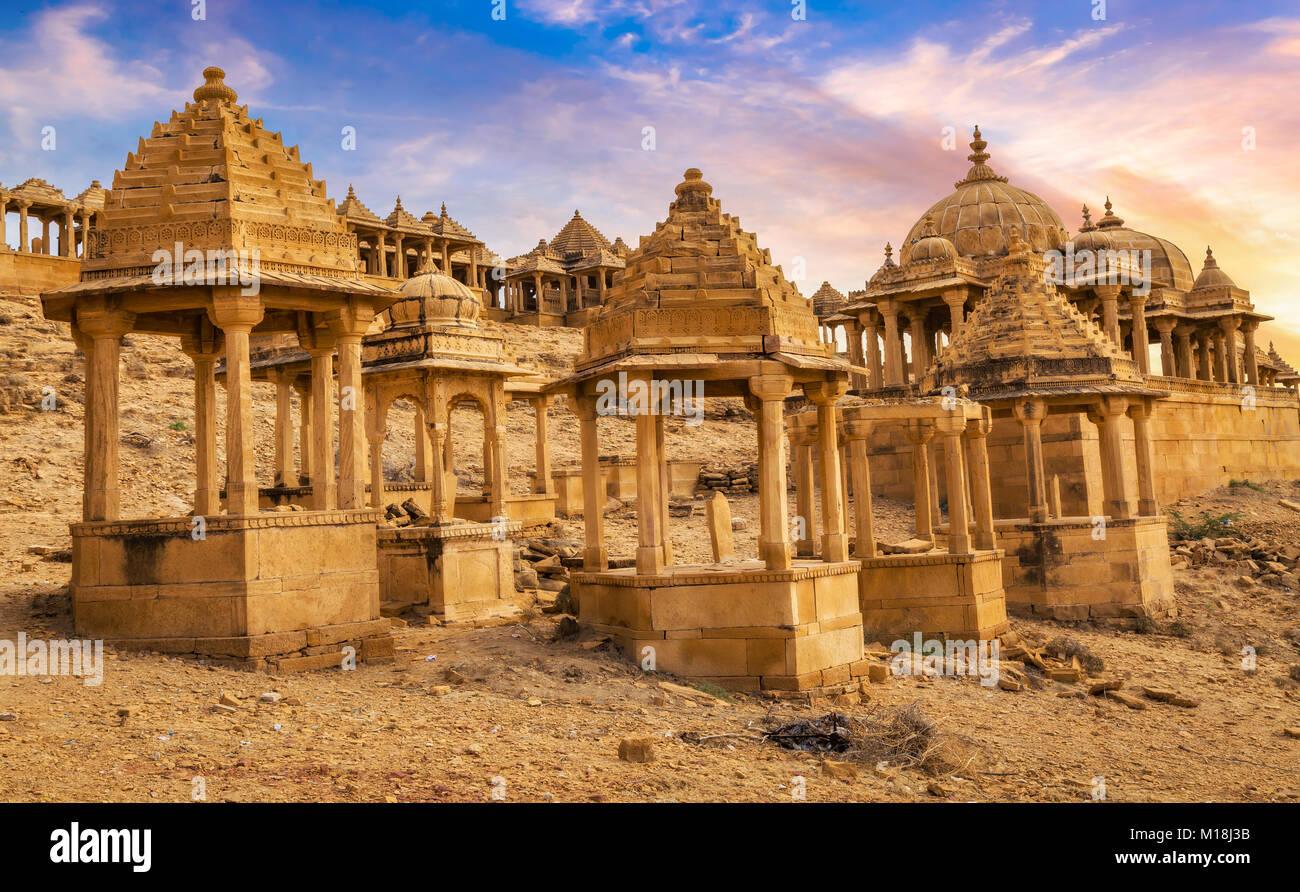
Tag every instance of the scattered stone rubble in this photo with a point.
(1254, 561)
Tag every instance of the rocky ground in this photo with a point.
(514, 711)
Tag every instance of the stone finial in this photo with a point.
(444, 209)
(889, 254)
(927, 227)
(1110, 220)
(351, 192)
(980, 171)
(214, 87)
(1209, 258)
(978, 145)
(1087, 221)
(693, 192)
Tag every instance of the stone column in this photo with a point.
(1031, 413)
(24, 243)
(864, 543)
(1228, 348)
(1168, 361)
(1204, 346)
(437, 419)
(4, 209)
(853, 331)
(538, 287)
(381, 250)
(650, 551)
(951, 427)
(805, 488)
(596, 556)
(956, 301)
(600, 275)
(664, 484)
(473, 267)
(1248, 327)
(306, 437)
(835, 543)
(1140, 413)
(104, 326)
(348, 325)
(207, 489)
(919, 432)
(65, 235)
(446, 258)
(376, 425)
(1109, 412)
(542, 477)
(1109, 297)
(920, 342)
(1185, 366)
(423, 460)
(977, 433)
(496, 433)
(324, 491)
(399, 255)
(1141, 351)
(1220, 357)
(875, 380)
(236, 315)
(893, 343)
(773, 543)
(283, 428)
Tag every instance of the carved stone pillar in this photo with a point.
(981, 487)
(595, 557)
(774, 544)
(236, 315)
(919, 432)
(951, 427)
(1030, 414)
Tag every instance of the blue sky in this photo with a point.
(824, 135)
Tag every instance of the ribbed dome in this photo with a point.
(978, 217)
(927, 245)
(1211, 276)
(434, 298)
(1169, 265)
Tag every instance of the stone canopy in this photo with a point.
(699, 290)
(1025, 339)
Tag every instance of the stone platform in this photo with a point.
(1066, 569)
(279, 591)
(941, 595)
(460, 570)
(738, 625)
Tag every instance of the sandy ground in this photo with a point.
(528, 717)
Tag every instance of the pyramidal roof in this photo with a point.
(92, 196)
(400, 218)
(354, 209)
(700, 284)
(827, 299)
(449, 227)
(577, 238)
(213, 178)
(1023, 339)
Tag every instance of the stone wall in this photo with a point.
(1203, 436)
(24, 273)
